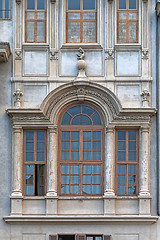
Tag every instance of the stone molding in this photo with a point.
(5, 51)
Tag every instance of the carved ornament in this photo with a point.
(145, 98)
(18, 1)
(18, 55)
(18, 94)
(145, 54)
(81, 65)
(110, 54)
(53, 55)
(158, 9)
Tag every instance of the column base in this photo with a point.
(51, 194)
(144, 203)
(109, 203)
(51, 205)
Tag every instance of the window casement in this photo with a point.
(81, 21)
(34, 168)
(127, 21)
(5, 9)
(80, 237)
(127, 149)
(81, 152)
(35, 21)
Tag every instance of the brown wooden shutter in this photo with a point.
(80, 237)
(107, 237)
(53, 237)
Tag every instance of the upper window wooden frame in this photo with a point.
(127, 162)
(127, 21)
(34, 162)
(5, 10)
(35, 21)
(81, 22)
(81, 154)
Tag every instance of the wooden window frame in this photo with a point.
(34, 162)
(128, 162)
(81, 20)
(80, 162)
(127, 21)
(35, 20)
(4, 11)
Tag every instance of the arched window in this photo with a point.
(81, 152)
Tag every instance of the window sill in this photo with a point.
(89, 46)
(80, 197)
(130, 46)
(35, 46)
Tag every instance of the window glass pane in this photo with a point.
(122, 4)
(96, 179)
(121, 189)
(29, 156)
(29, 179)
(6, 9)
(132, 135)
(121, 179)
(74, 189)
(96, 135)
(122, 16)
(40, 15)
(73, 32)
(132, 179)
(29, 136)
(122, 146)
(86, 179)
(96, 155)
(75, 145)
(96, 169)
(65, 146)
(1, 6)
(132, 156)
(87, 135)
(40, 146)
(40, 156)
(132, 4)
(74, 169)
(96, 189)
(132, 189)
(96, 119)
(89, 32)
(40, 136)
(132, 32)
(65, 155)
(121, 156)
(122, 32)
(30, 31)
(87, 155)
(132, 16)
(64, 189)
(29, 190)
(74, 179)
(81, 120)
(66, 119)
(73, 4)
(75, 110)
(40, 180)
(86, 145)
(89, 15)
(74, 155)
(29, 146)
(29, 169)
(30, 4)
(40, 4)
(87, 110)
(121, 135)
(97, 145)
(121, 169)
(73, 15)
(132, 145)
(30, 15)
(89, 238)
(66, 135)
(64, 179)
(87, 169)
(40, 31)
(132, 169)
(65, 169)
(74, 135)
(98, 238)
(88, 4)
(86, 189)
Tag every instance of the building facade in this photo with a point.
(79, 123)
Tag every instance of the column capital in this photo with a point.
(53, 129)
(145, 128)
(17, 129)
(110, 129)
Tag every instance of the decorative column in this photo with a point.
(144, 194)
(17, 94)
(51, 202)
(16, 196)
(109, 195)
(145, 98)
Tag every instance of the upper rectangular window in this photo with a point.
(35, 21)
(5, 9)
(127, 20)
(81, 22)
(127, 162)
(34, 162)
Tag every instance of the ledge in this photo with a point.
(5, 51)
(81, 219)
(76, 46)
